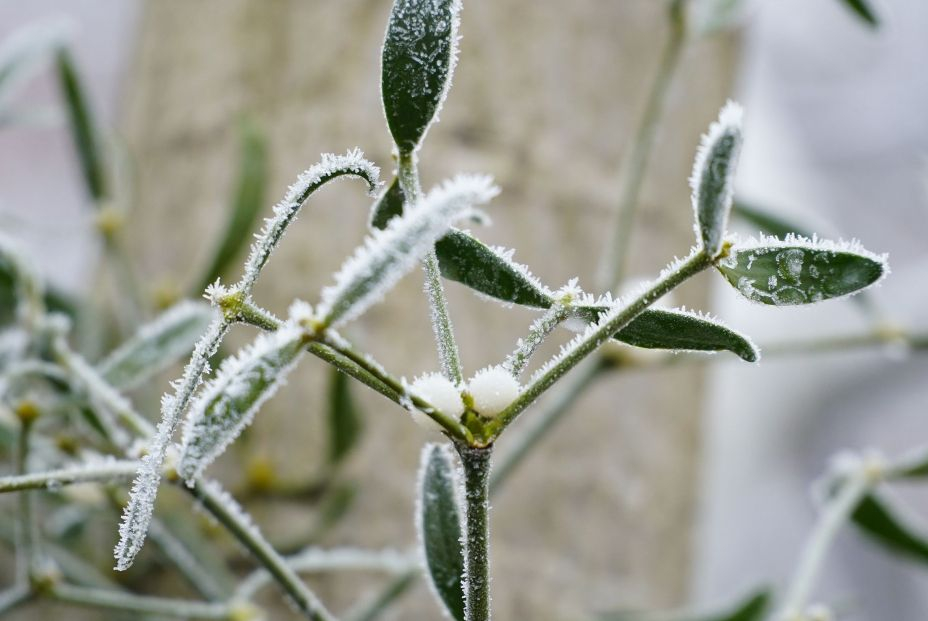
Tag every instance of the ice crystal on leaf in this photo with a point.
(492, 389)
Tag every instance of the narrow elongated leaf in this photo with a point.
(766, 222)
(490, 271)
(797, 270)
(344, 417)
(386, 256)
(156, 345)
(87, 140)
(864, 11)
(388, 206)
(419, 54)
(438, 520)
(683, 330)
(246, 205)
(878, 520)
(229, 402)
(913, 466)
(752, 608)
(713, 177)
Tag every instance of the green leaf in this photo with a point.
(878, 520)
(419, 53)
(86, 138)
(682, 330)
(864, 11)
(388, 206)
(492, 272)
(439, 525)
(766, 222)
(22, 50)
(913, 466)
(797, 270)
(246, 205)
(158, 344)
(229, 402)
(344, 418)
(713, 177)
(752, 608)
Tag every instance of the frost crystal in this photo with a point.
(492, 389)
(229, 402)
(437, 390)
(387, 255)
(542, 326)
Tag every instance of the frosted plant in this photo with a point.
(43, 374)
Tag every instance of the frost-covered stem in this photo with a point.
(370, 611)
(448, 355)
(233, 520)
(28, 540)
(14, 596)
(160, 606)
(53, 479)
(516, 362)
(545, 420)
(635, 164)
(476, 462)
(210, 581)
(696, 263)
(833, 517)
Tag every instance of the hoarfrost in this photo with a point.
(492, 389)
(440, 392)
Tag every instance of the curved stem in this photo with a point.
(161, 606)
(476, 462)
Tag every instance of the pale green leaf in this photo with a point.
(344, 418)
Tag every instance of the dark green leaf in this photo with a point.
(344, 417)
(158, 344)
(418, 58)
(388, 206)
(876, 518)
(682, 331)
(246, 205)
(466, 260)
(766, 222)
(799, 271)
(440, 530)
(713, 177)
(86, 138)
(864, 11)
(913, 466)
(753, 608)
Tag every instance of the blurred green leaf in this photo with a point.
(21, 51)
(912, 466)
(418, 57)
(388, 206)
(797, 271)
(767, 222)
(345, 424)
(864, 11)
(156, 345)
(247, 202)
(440, 530)
(752, 608)
(467, 260)
(86, 138)
(880, 521)
(713, 174)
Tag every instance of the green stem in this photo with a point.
(448, 354)
(29, 539)
(635, 164)
(476, 462)
(694, 264)
(545, 421)
(161, 606)
(54, 479)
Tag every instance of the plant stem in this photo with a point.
(476, 462)
(372, 610)
(694, 264)
(635, 164)
(53, 479)
(161, 606)
(448, 354)
(28, 542)
(546, 420)
(836, 513)
(14, 596)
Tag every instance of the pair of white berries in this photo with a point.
(492, 389)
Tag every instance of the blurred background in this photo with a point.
(643, 497)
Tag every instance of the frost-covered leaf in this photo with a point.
(156, 345)
(22, 291)
(683, 330)
(713, 175)
(345, 424)
(229, 402)
(388, 205)
(490, 271)
(878, 519)
(863, 10)
(797, 270)
(752, 608)
(419, 54)
(913, 466)
(438, 520)
(84, 133)
(246, 205)
(21, 51)
(386, 256)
